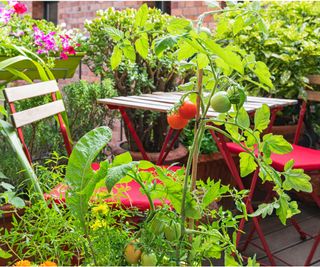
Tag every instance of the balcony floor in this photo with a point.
(284, 241)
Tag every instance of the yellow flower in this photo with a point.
(101, 209)
(98, 224)
(22, 263)
(48, 263)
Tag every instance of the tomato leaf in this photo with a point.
(262, 118)
(247, 164)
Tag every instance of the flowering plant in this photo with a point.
(39, 36)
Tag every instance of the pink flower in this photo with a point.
(63, 56)
(45, 41)
(71, 50)
(20, 8)
(5, 15)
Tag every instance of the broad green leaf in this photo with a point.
(212, 194)
(10, 135)
(229, 57)
(142, 16)
(247, 164)
(129, 53)
(164, 43)
(116, 57)
(243, 118)
(7, 62)
(3, 111)
(289, 165)
(185, 51)
(142, 46)
(262, 118)
(4, 254)
(115, 34)
(262, 72)
(80, 177)
(144, 165)
(296, 179)
(6, 186)
(265, 209)
(17, 202)
(179, 25)
(123, 158)
(277, 144)
(19, 74)
(202, 61)
(238, 25)
(229, 260)
(116, 173)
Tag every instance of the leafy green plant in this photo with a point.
(9, 196)
(120, 45)
(84, 113)
(208, 145)
(287, 42)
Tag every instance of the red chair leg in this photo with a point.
(313, 250)
(233, 169)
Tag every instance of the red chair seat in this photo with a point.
(132, 197)
(304, 158)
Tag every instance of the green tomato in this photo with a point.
(220, 102)
(156, 226)
(172, 232)
(148, 259)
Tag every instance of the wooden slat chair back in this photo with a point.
(312, 96)
(28, 116)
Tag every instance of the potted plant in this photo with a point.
(120, 45)
(59, 47)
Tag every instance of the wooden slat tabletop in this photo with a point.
(164, 101)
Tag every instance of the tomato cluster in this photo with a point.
(221, 101)
(180, 116)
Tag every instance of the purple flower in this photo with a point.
(5, 15)
(45, 41)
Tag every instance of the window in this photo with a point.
(50, 11)
(164, 6)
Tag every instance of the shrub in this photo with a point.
(121, 45)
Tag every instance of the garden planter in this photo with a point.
(176, 155)
(62, 69)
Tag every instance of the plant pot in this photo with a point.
(176, 155)
(62, 69)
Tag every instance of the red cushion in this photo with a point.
(132, 197)
(304, 158)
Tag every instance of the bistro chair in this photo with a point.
(304, 158)
(134, 198)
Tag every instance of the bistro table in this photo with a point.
(164, 101)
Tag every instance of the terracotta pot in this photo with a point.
(176, 155)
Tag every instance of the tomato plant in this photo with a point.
(188, 110)
(220, 102)
(132, 254)
(176, 122)
(149, 259)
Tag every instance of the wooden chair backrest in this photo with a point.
(28, 116)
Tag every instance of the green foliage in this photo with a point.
(84, 113)
(121, 45)
(285, 40)
(43, 234)
(9, 196)
(208, 145)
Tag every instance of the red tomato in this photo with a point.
(188, 110)
(176, 121)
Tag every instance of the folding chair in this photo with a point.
(304, 158)
(22, 118)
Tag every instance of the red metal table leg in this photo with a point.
(164, 146)
(231, 164)
(170, 147)
(133, 132)
(313, 250)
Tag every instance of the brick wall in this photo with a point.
(74, 14)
